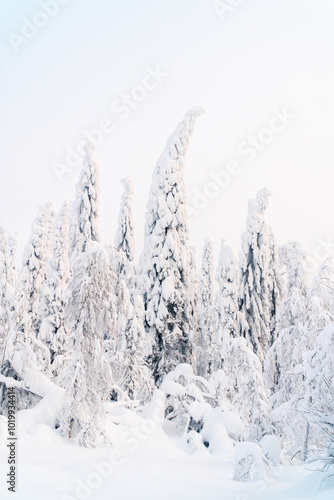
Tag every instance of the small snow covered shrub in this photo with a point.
(250, 463)
(187, 398)
(192, 406)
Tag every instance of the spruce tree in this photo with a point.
(26, 324)
(286, 352)
(53, 302)
(227, 317)
(166, 279)
(205, 323)
(85, 211)
(259, 281)
(88, 378)
(131, 373)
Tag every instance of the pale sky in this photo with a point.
(244, 67)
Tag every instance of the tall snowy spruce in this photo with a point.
(131, 373)
(166, 278)
(259, 282)
(284, 363)
(286, 352)
(205, 329)
(85, 211)
(24, 336)
(88, 377)
(36, 255)
(227, 317)
(125, 238)
(53, 301)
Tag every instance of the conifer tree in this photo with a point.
(26, 324)
(286, 352)
(227, 317)
(166, 278)
(53, 302)
(85, 211)
(205, 323)
(125, 237)
(88, 378)
(8, 279)
(259, 286)
(130, 371)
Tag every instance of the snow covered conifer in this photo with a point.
(286, 352)
(275, 284)
(130, 371)
(28, 293)
(257, 284)
(166, 278)
(8, 279)
(135, 378)
(318, 401)
(85, 211)
(83, 232)
(53, 303)
(227, 318)
(245, 387)
(36, 255)
(283, 370)
(88, 377)
(125, 239)
(205, 322)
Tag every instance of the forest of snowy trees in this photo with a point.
(250, 336)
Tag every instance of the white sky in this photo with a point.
(264, 55)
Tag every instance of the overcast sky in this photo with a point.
(262, 70)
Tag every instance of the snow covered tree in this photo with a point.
(36, 255)
(204, 336)
(166, 278)
(53, 302)
(259, 286)
(83, 232)
(287, 350)
(275, 284)
(227, 317)
(134, 376)
(88, 377)
(85, 211)
(321, 299)
(130, 371)
(318, 401)
(284, 373)
(8, 279)
(25, 327)
(245, 387)
(111, 333)
(125, 238)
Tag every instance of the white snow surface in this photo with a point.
(142, 463)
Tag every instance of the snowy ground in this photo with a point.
(149, 467)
